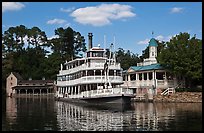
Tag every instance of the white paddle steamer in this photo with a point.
(95, 78)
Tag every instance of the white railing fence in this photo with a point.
(168, 91)
(102, 92)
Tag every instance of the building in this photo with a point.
(149, 75)
(15, 85)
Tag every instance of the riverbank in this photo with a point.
(183, 97)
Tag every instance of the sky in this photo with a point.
(129, 24)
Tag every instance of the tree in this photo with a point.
(69, 44)
(183, 56)
(36, 37)
(126, 59)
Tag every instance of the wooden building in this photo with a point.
(15, 85)
(149, 76)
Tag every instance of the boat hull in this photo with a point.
(115, 99)
(116, 103)
(110, 99)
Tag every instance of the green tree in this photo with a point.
(69, 43)
(126, 58)
(183, 56)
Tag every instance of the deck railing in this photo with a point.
(90, 79)
(102, 92)
(92, 66)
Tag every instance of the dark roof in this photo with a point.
(32, 87)
(17, 75)
(37, 81)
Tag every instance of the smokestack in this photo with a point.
(90, 35)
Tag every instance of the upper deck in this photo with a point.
(94, 60)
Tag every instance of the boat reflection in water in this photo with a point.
(43, 113)
(139, 117)
(92, 118)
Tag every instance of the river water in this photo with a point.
(44, 114)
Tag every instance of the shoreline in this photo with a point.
(180, 97)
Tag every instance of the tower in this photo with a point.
(152, 48)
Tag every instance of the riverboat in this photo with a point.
(95, 78)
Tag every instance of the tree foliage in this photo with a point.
(26, 51)
(126, 58)
(183, 56)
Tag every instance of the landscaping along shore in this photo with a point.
(190, 97)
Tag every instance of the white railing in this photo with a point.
(139, 83)
(92, 66)
(168, 91)
(103, 92)
(90, 79)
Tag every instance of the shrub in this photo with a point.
(188, 89)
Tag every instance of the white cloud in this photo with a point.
(162, 38)
(12, 6)
(159, 37)
(56, 21)
(54, 36)
(103, 14)
(176, 10)
(146, 41)
(67, 10)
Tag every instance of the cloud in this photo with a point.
(11, 6)
(159, 37)
(162, 38)
(67, 10)
(103, 14)
(176, 10)
(56, 21)
(146, 41)
(54, 36)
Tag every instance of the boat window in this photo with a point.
(84, 73)
(97, 54)
(63, 78)
(90, 73)
(98, 72)
(118, 73)
(67, 78)
(111, 72)
(59, 78)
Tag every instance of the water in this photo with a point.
(43, 113)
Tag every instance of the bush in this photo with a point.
(188, 89)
